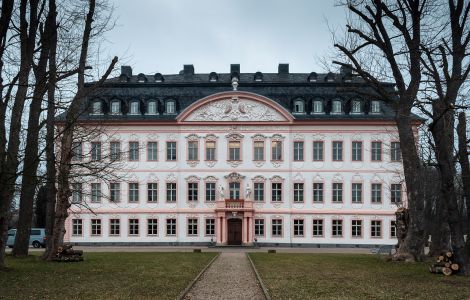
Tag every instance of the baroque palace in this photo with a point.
(287, 159)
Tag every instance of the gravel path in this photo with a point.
(229, 277)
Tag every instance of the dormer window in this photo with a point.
(141, 78)
(213, 77)
(159, 77)
(134, 108)
(299, 106)
(312, 77)
(170, 107)
(375, 107)
(330, 77)
(96, 108)
(336, 107)
(152, 108)
(258, 76)
(317, 106)
(356, 107)
(115, 107)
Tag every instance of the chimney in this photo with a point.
(235, 68)
(283, 69)
(126, 70)
(346, 70)
(188, 70)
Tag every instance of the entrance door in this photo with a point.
(234, 232)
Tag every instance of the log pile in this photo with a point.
(445, 264)
(65, 253)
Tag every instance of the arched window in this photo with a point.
(312, 77)
(330, 77)
(115, 107)
(96, 108)
(356, 107)
(317, 106)
(141, 78)
(152, 107)
(213, 77)
(336, 107)
(299, 106)
(375, 107)
(258, 76)
(159, 77)
(170, 107)
(134, 108)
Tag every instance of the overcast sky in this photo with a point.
(162, 35)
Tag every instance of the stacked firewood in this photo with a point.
(66, 253)
(445, 264)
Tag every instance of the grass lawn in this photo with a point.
(102, 276)
(349, 276)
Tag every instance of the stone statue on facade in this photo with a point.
(221, 192)
(247, 191)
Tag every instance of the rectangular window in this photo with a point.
(95, 151)
(259, 227)
(276, 227)
(170, 150)
(210, 191)
(210, 226)
(152, 192)
(133, 226)
(259, 150)
(170, 226)
(337, 228)
(317, 228)
(210, 151)
(133, 192)
(376, 228)
(77, 192)
(234, 190)
(375, 107)
(152, 151)
(115, 192)
(395, 193)
(276, 192)
(298, 227)
(276, 150)
(393, 229)
(337, 192)
(376, 190)
(298, 192)
(171, 192)
(192, 226)
(77, 151)
(317, 106)
(114, 227)
(193, 191)
(356, 228)
(95, 227)
(318, 151)
(337, 151)
(133, 151)
(318, 192)
(96, 192)
(234, 150)
(77, 227)
(376, 151)
(356, 151)
(395, 151)
(115, 151)
(356, 193)
(298, 151)
(152, 226)
(258, 191)
(193, 150)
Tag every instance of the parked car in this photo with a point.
(36, 238)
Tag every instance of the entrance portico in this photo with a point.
(234, 222)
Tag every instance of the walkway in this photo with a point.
(229, 277)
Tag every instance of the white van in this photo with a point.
(36, 238)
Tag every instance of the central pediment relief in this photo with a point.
(238, 107)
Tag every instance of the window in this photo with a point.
(115, 191)
(258, 191)
(259, 150)
(134, 108)
(376, 151)
(233, 150)
(210, 150)
(393, 229)
(77, 193)
(376, 228)
(77, 227)
(210, 191)
(133, 151)
(95, 151)
(152, 151)
(337, 151)
(337, 228)
(114, 226)
(95, 227)
(77, 151)
(356, 107)
(193, 150)
(395, 151)
(317, 106)
(276, 192)
(259, 227)
(317, 228)
(356, 151)
(298, 151)
(357, 193)
(356, 228)
(395, 193)
(298, 192)
(234, 190)
(276, 227)
(276, 150)
(192, 226)
(299, 106)
(318, 151)
(210, 226)
(170, 107)
(192, 191)
(152, 226)
(337, 192)
(96, 109)
(375, 107)
(298, 227)
(376, 193)
(318, 192)
(115, 107)
(170, 150)
(96, 192)
(336, 107)
(133, 192)
(115, 151)
(171, 192)
(133, 226)
(152, 192)
(152, 108)
(170, 226)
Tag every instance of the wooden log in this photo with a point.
(455, 267)
(449, 254)
(447, 271)
(440, 258)
(447, 264)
